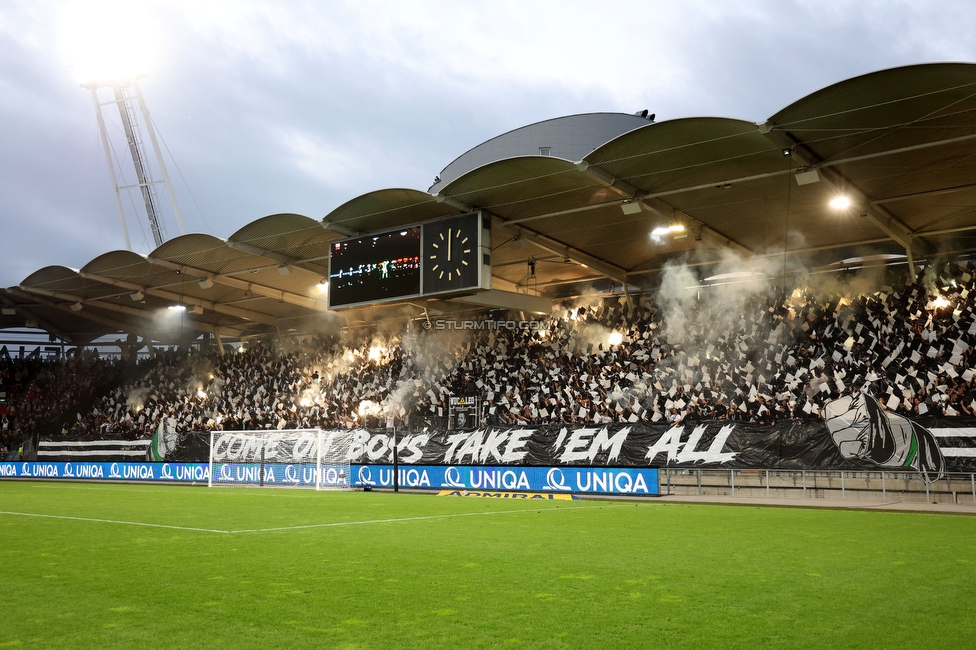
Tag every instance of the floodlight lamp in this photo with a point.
(633, 207)
(177, 308)
(807, 177)
(840, 202)
(109, 40)
(660, 231)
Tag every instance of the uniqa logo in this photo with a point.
(365, 476)
(555, 480)
(452, 478)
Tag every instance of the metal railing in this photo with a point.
(820, 484)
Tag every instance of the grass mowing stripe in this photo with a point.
(419, 518)
(113, 521)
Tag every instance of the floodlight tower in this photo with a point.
(127, 95)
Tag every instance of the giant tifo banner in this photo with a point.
(856, 434)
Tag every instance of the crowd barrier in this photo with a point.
(954, 487)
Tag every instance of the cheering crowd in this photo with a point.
(610, 359)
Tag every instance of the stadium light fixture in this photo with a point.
(9, 311)
(137, 295)
(177, 308)
(808, 177)
(110, 40)
(840, 202)
(323, 285)
(633, 207)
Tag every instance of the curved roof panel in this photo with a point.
(880, 111)
(571, 138)
(120, 264)
(291, 235)
(527, 186)
(689, 152)
(386, 209)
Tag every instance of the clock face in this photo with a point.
(451, 254)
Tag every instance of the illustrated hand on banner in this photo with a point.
(862, 429)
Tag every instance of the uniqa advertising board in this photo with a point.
(576, 480)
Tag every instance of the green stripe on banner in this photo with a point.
(155, 453)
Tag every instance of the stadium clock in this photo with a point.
(452, 254)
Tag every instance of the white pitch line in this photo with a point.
(305, 526)
(115, 521)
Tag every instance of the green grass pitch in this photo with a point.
(132, 566)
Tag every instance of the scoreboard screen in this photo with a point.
(375, 268)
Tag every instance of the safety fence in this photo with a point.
(820, 484)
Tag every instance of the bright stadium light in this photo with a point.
(840, 202)
(177, 308)
(109, 40)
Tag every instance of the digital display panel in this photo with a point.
(375, 268)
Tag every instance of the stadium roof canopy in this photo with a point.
(581, 197)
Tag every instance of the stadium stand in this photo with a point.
(735, 354)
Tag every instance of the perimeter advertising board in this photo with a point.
(579, 480)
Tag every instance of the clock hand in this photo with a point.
(449, 244)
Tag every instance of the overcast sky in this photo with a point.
(270, 107)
